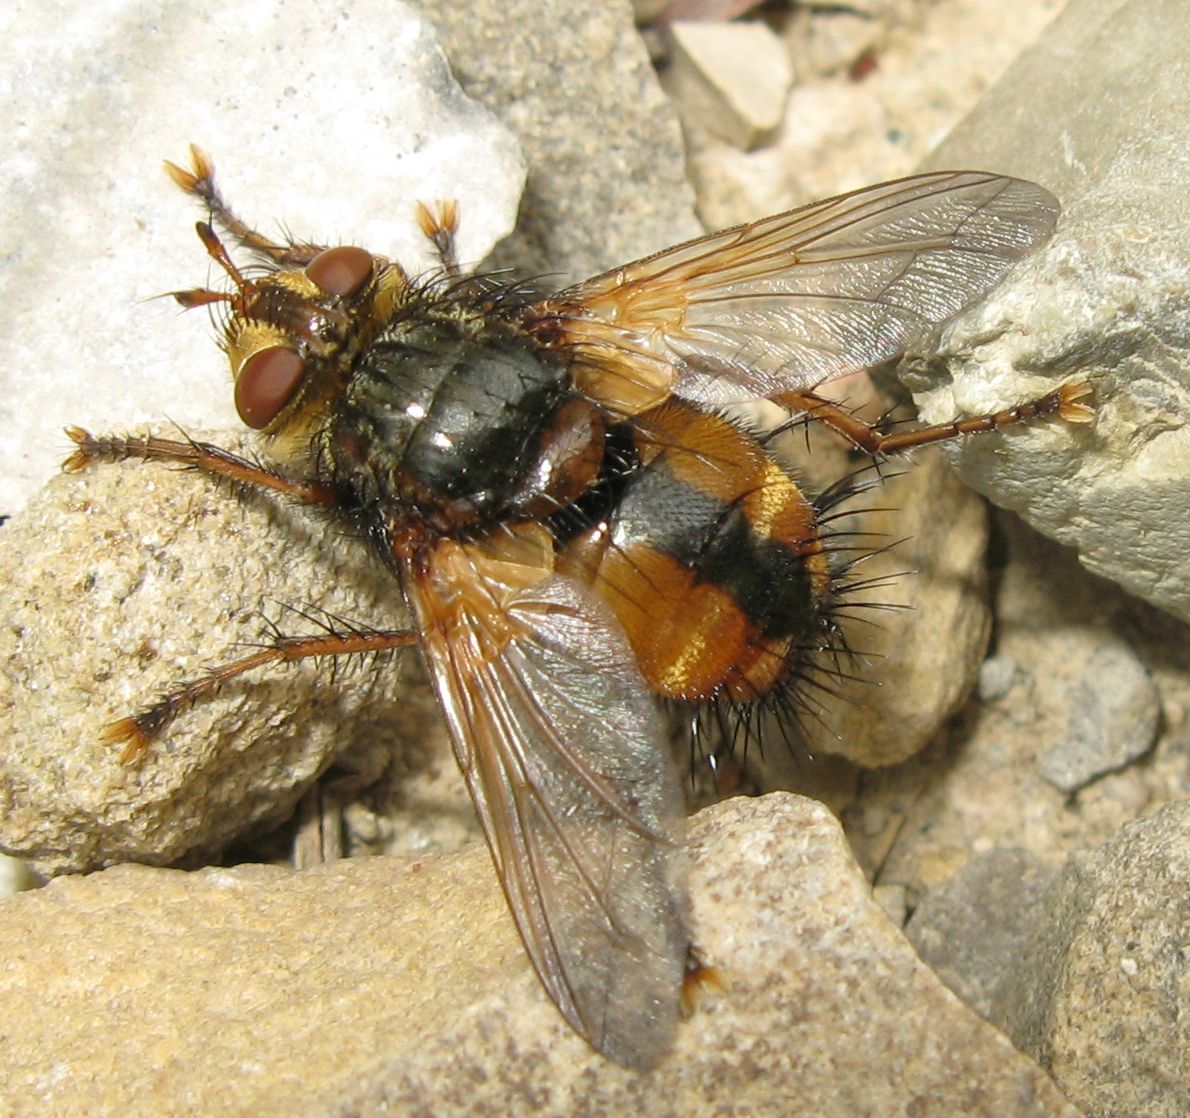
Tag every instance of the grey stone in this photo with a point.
(1084, 968)
(1112, 719)
(995, 677)
(1099, 112)
(973, 929)
(572, 80)
(1100, 995)
(378, 985)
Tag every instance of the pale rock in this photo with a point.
(995, 677)
(933, 62)
(918, 652)
(15, 876)
(380, 986)
(1099, 112)
(893, 901)
(827, 38)
(730, 78)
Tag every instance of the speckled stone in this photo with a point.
(126, 578)
(378, 986)
(1112, 718)
(1099, 996)
(573, 82)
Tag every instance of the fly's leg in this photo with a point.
(699, 978)
(204, 457)
(440, 224)
(137, 732)
(1067, 402)
(199, 180)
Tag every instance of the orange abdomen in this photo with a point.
(710, 558)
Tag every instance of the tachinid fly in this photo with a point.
(575, 525)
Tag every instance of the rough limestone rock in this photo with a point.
(378, 986)
(125, 579)
(1098, 111)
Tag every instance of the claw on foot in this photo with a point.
(129, 733)
(1070, 402)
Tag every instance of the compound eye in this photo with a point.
(341, 271)
(266, 383)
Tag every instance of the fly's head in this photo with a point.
(294, 323)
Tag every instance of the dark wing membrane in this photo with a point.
(570, 770)
(792, 300)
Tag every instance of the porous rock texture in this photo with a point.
(375, 986)
(1098, 111)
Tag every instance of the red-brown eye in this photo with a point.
(266, 383)
(341, 271)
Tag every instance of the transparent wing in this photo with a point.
(792, 300)
(566, 759)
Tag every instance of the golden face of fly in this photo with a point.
(292, 333)
(575, 527)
